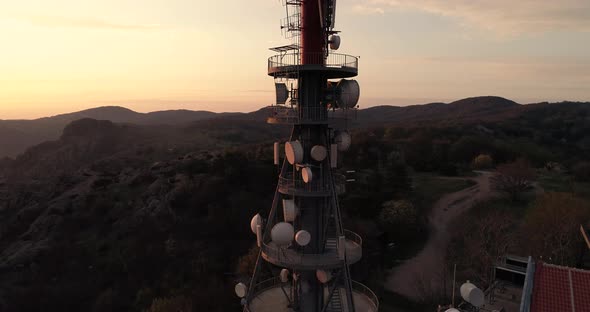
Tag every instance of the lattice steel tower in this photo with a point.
(305, 253)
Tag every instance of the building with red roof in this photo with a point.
(556, 289)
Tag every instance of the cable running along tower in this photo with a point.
(305, 253)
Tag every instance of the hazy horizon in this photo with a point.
(67, 56)
(172, 108)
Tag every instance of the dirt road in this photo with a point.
(420, 276)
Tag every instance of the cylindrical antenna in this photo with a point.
(334, 155)
(276, 153)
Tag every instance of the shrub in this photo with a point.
(399, 217)
(551, 230)
(247, 262)
(174, 304)
(483, 161)
(581, 171)
(514, 178)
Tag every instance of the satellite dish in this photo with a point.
(282, 233)
(472, 294)
(342, 140)
(256, 220)
(319, 152)
(241, 290)
(348, 92)
(276, 153)
(284, 275)
(334, 41)
(306, 174)
(282, 93)
(323, 276)
(333, 155)
(294, 152)
(290, 210)
(303, 238)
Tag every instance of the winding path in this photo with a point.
(421, 276)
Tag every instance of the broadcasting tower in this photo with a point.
(305, 253)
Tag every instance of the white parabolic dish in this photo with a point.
(342, 140)
(334, 41)
(241, 290)
(290, 210)
(472, 294)
(306, 174)
(284, 275)
(319, 153)
(256, 220)
(303, 238)
(350, 92)
(282, 233)
(294, 152)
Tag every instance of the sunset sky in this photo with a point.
(66, 55)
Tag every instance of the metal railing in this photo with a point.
(333, 60)
(353, 237)
(293, 257)
(264, 285)
(284, 114)
(360, 288)
(261, 287)
(295, 114)
(294, 184)
(339, 183)
(329, 257)
(302, 114)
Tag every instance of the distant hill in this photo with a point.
(485, 108)
(17, 135)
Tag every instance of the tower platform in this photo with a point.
(292, 258)
(295, 186)
(336, 65)
(291, 115)
(270, 297)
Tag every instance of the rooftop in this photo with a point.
(558, 288)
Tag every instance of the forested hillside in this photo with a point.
(121, 217)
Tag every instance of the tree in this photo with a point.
(478, 239)
(551, 230)
(396, 176)
(513, 178)
(483, 161)
(174, 304)
(399, 218)
(419, 151)
(468, 147)
(247, 262)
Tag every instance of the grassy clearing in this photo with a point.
(429, 188)
(560, 182)
(518, 209)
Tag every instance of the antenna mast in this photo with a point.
(302, 238)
